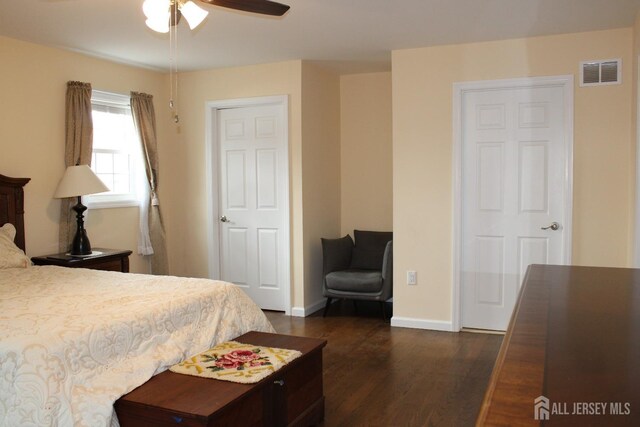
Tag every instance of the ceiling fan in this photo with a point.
(164, 13)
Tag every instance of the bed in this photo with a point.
(72, 341)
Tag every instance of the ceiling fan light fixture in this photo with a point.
(158, 25)
(153, 8)
(158, 14)
(193, 14)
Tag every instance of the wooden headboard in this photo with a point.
(12, 205)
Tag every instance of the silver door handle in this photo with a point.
(223, 218)
(554, 226)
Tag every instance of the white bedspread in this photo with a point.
(72, 341)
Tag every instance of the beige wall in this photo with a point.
(313, 147)
(183, 163)
(32, 137)
(634, 251)
(422, 154)
(366, 152)
(324, 109)
(321, 171)
(33, 84)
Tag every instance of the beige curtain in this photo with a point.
(144, 117)
(78, 147)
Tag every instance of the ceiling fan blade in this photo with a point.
(263, 7)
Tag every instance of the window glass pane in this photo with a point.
(121, 183)
(104, 163)
(112, 131)
(121, 163)
(102, 130)
(98, 125)
(108, 181)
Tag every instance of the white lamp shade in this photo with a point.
(79, 181)
(158, 25)
(158, 14)
(154, 8)
(193, 14)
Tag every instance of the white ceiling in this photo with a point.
(348, 35)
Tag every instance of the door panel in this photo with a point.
(268, 257)
(532, 250)
(236, 182)
(513, 182)
(236, 267)
(489, 270)
(490, 181)
(253, 186)
(267, 179)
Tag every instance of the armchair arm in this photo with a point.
(387, 265)
(336, 254)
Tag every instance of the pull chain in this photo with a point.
(173, 61)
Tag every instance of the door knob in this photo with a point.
(223, 218)
(553, 226)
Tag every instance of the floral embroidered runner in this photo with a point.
(236, 362)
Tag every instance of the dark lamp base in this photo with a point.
(81, 245)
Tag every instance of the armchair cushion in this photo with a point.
(354, 281)
(336, 254)
(366, 259)
(369, 249)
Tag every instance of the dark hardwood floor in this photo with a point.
(375, 375)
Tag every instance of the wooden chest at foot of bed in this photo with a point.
(292, 396)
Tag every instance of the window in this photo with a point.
(116, 153)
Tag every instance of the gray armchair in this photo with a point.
(359, 271)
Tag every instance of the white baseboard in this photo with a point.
(298, 312)
(309, 309)
(435, 325)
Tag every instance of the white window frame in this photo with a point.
(131, 199)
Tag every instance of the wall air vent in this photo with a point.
(604, 72)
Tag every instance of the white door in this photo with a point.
(253, 202)
(514, 184)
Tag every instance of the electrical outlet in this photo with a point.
(412, 277)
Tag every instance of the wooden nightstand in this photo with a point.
(108, 259)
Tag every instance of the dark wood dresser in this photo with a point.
(571, 356)
(291, 396)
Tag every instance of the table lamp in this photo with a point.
(79, 181)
